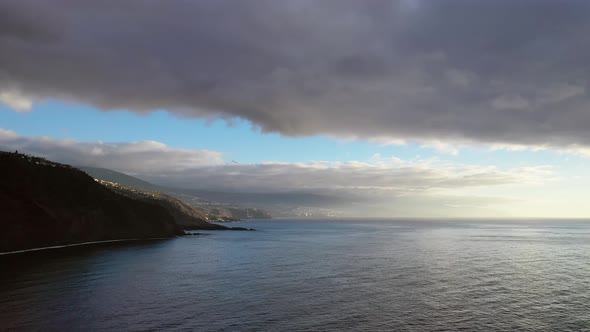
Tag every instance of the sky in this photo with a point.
(409, 108)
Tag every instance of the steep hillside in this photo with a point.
(184, 215)
(120, 178)
(206, 205)
(43, 203)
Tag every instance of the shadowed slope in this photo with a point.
(43, 203)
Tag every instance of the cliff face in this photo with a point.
(44, 203)
(199, 204)
(184, 215)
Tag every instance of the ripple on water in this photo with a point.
(313, 276)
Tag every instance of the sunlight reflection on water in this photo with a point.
(313, 275)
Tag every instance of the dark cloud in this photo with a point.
(503, 71)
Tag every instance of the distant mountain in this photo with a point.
(262, 199)
(214, 204)
(120, 178)
(184, 215)
(43, 203)
(287, 204)
(233, 205)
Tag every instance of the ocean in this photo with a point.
(313, 275)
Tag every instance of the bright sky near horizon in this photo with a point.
(408, 108)
(239, 141)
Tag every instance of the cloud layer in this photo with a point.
(392, 185)
(133, 158)
(361, 179)
(503, 71)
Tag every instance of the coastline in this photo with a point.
(79, 244)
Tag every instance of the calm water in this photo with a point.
(313, 276)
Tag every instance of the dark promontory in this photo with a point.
(43, 203)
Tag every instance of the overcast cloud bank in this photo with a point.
(501, 72)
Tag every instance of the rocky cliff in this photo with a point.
(218, 211)
(43, 203)
(184, 215)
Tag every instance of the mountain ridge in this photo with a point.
(213, 205)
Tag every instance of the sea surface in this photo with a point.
(313, 275)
